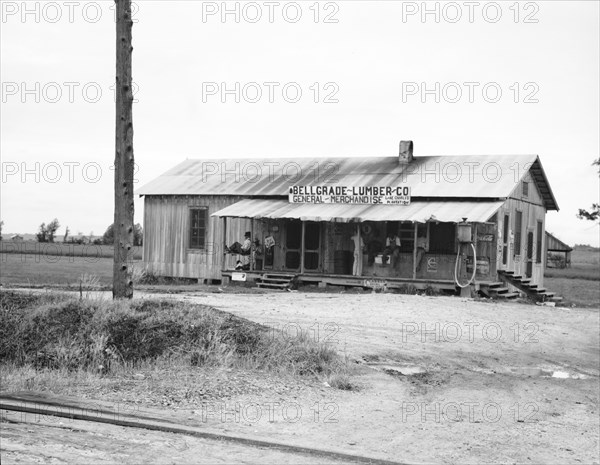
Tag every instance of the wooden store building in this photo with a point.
(443, 221)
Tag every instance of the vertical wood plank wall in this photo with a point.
(166, 236)
(533, 211)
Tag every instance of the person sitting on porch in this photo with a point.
(240, 249)
(392, 247)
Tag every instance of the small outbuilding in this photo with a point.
(357, 221)
(558, 254)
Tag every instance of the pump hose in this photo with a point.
(474, 267)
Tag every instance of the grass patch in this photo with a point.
(575, 292)
(56, 333)
(590, 273)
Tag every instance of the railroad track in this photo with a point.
(29, 404)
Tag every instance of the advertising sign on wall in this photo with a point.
(361, 195)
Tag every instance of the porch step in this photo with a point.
(276, 281)
(494, 285)
(533, 291)
(509, 295)
(491, 289)
(499, 292)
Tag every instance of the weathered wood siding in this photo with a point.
(533, 211)
(167, 232)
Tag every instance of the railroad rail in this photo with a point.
(74, 411)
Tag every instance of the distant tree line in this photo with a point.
(47, 233)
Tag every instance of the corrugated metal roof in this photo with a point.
(418, 211)
(491, 177)
(554, 244)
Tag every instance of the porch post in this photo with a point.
(360, 251)
(252, 256)
(414, 273)
(302, 248)
(223, 254)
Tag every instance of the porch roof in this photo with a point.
(417, 211)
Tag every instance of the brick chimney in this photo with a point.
(406, 151)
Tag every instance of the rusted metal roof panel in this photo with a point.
(419, 211)
(491, 177)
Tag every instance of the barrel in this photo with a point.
(342, 262)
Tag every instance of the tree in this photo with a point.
(138, 234)
(594, 213)
(42, 235)
(1, 224)
(47, 232)
(124, 162)
(52, 228)
(108, 238)
(109, 235)
(66, 237)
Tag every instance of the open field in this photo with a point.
(580, 284)
(48, 251)
(35, 270)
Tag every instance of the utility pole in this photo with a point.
(124, 163)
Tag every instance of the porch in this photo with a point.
(281, 280)
(364, 246)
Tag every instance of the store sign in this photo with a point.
(238, 276)
(361, 195)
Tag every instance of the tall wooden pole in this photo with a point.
(124, 163)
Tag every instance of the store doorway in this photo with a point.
(293, 241)
(312, 246)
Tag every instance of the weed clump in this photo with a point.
(63, 333)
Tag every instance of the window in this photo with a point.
(442, 238)
(525, 186)
(518, 228)
(198, 223)
(538, 250)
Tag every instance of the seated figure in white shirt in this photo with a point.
(392, 248)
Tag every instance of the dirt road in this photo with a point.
(487, 394)
(441, 380)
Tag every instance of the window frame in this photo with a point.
(525, 189)
(518, 230)
(539, 242)
(192, 211)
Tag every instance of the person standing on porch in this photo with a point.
(358, 252)
(422, 249)
(392, 247)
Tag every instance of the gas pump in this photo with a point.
(465, 236)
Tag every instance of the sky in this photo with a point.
(293, 79)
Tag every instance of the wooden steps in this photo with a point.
(532, 291)
(497, 290)
(281, 281)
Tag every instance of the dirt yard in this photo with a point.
(486, 393)
(441, 379)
